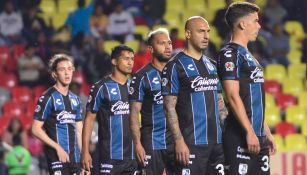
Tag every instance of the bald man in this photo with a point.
(190, 89)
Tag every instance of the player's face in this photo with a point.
(124, 63)
(198, 35)
(252, 26)
(162, 47)
(64, 72)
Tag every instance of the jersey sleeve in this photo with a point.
(79, 111)
(95, 99)
(43, 108)
(170, 80)
(137, 89)
(228, 65)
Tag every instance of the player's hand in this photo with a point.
(140, 154)
(85, 172)
(272, 144)
(86, 161)
(62, 155)
(182, 152)
(252, 143)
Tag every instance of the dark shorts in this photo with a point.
(238, 160)
(204, 159)
(118, 167)
(59, 168)
(158, 160)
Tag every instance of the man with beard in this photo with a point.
(190, 89)
(153, 141)
(108, 102)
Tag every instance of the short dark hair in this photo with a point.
(53, 63)
(237, 10)
(116, 51)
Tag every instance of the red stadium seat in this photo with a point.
(272, 86)
(18, 50)
(285, 128)
(78, 77)
(285, 100)
(26, 122)
(21, 94)
(8, 80)
(12, 109)
(4, 122)
(5, 55)
(38, 90)
(30, 108)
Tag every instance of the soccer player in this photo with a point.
(190, 87)
(247, 139)
(153, 141)
(109, 103)
(58, 119)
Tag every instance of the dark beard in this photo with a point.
(161, 58)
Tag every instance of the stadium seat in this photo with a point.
(39, 90)
(4, 96)
(275, 72)
(295, 29)
(173, 17)
(109, 45)
(59, 19)
(292, 86)
(4, 122)
(272, 116)
(215, 38)
(48, 6)
(134, 44)
(18, 50)
(296, 115)
(302, 100)
(174, 4)
(5, 55)
(304, 128)
(30, 108)
(272, 87)
(21, 94)
(285, 128)
(295, 142)
(67, 6)
(285, 100)
(12, 109)
(269, 100)
(8, 80)
(279, 142)
(26, 122)
(142, 30)
(297, 71)
(295, 55)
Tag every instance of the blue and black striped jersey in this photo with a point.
(146, 88)
(60, 114)
(109, 100)
(196, 85)
(237, 63)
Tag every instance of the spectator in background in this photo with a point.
(141, 57)
(154, 12)
(15, 135)
(33, 24)
(99, 58)
(121, 25)
(178, 44)
(79, 20)
(98, 22)
(30, 67)
(10, 24)
(219, 21)
(43, 47)
(279, 46)
(80, 50)
(273, 14)
(107, 5)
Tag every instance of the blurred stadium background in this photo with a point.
(33, 30)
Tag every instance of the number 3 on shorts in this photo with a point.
(220, 168)
(266, 165)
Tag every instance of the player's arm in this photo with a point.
(222, 108)
(182, 151)
(79, 126)
(232, 88)
(86, 159)
(270, 138)
(135, 130)
(37, 130)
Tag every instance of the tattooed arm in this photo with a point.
(182, 151)
(222, 108)
(135, 108)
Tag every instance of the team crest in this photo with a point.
(38, 108)
(243, 169)
(74, 102)
(131, 90)
(186, 171)
(164, 81)
(229, 66)
(58, 173)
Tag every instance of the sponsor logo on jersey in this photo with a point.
(241, 153)
(190, 67)
(113, 91)
(257, 75)
(243, 169)
(66, 117)
(155, 80)
(158, 98)
(120, 108)
(58, 101)
(204, 84)
(229, 66)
